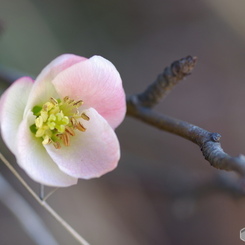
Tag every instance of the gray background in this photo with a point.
(134, 204)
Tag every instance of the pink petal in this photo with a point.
(34, 159)
(12, 105)
(43, 88)
(92, 153)
(97, 82)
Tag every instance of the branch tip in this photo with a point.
(166, 81)
(184, 66)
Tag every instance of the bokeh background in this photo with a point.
(162, 192)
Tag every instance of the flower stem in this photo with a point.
(41, 192)
(43, 203)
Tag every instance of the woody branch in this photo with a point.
(141, 105)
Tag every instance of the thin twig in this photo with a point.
(50, 193)
(208, 142)
(74, 233)
(41, 192)
(166, 81)
(25, 214)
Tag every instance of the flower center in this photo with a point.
(56, 121)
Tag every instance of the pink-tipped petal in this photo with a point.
(33, 158)
(43, 88)
(91, 153)
(97, 82)
(12, 105)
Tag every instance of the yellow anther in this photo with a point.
(57, 145)
(59, 116)
(73, 122)
(78, 103)
(70, 101)
(66, 98)
(53, 101)
(80, 127)
(65, 139)
(57, 121)
(47, 140)
(85, 117)
(39, 122)
(40, 132)
(70, 131)
(44, 115)
(48, 106)
(60, 128)
(51, 125)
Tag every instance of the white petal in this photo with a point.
(97, 82)
(12, 105)
(43, 89)
(91, 153)
(34, 159)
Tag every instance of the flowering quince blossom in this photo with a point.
(61, 127)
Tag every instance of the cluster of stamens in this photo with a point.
(57, 120)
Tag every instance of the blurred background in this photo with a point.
(163, 191)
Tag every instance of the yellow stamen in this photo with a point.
(73, 122)
(57, 145)
(39, 122)
(70, 131)
(53, 101)
(48, 106)
(57, 121)
(80, 127)
(85, 117)
(66, 139)
(47, 140)
(78, 103)
(66, 99)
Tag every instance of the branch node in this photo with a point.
(215, 137)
